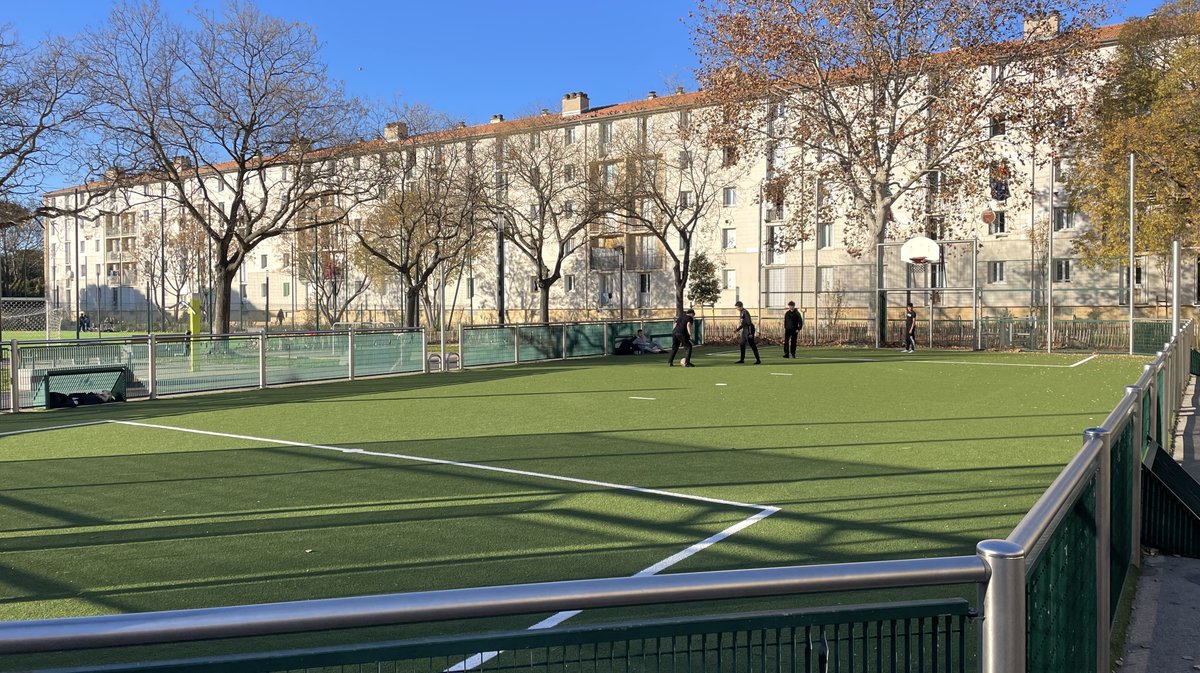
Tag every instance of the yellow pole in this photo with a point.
(193, 328)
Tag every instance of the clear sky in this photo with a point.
(470, 58)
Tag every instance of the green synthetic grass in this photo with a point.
(868, 455)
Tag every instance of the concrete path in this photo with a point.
(1164, 629)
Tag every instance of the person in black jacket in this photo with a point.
(910, 329)
(746, 329)
(793, 322)
(681, 335)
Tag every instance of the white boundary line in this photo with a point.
(53, 427)
(1082, 361)
(479, 659)
(921, 360)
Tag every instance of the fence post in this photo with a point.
(262, 358)
(516, 344)
(564, 341)
(350, 352)
(1136, 445)
(1103, 544)
(604, 325)
(424, 352)
(152, 357)
(14, 371)
(462, 350)
(1002, 637)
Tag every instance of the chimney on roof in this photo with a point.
(496, 119)
(1042, 26)
(395, 131)
(678, 90)
(652, 95)
(545, 112)
(462, 125)
(574, 103)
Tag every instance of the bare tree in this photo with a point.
(669, 183)
(542, 202)
(45, 108)
(238, 117)
(21, 266)
(431, 220)
(330, 263)
(868, 110)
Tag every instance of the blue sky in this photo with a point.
(470, 58)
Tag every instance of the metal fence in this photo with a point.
(481, 345)
(177, 364)
(1047, 591)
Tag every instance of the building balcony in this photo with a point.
(123, 279)
(118, 256)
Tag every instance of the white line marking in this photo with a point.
(479, 659)
(455, 463)
(643, 398)
(52, 427)
(1082, 361)
(939, 362)
(779, 374)
(722, 384)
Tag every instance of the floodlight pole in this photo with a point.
(1129, 281)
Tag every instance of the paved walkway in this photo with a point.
(1164, 630)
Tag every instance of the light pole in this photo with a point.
(76, 272)
(621, 282)
(267, 320)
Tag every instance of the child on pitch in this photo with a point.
(910, 329)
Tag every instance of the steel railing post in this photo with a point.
(1135, 446)
(350, 352)
(262, 359)
(564, 340)
(424, 352)
(152, 363)
(1002, 627)
(14, 378)
(1103, 544)
(516, 344)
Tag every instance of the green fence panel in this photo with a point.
(5, 378)
(1159, 437)
(308, 357)
(698, 331)
(585, 340)
(202, 362)
(619, 331)
(1195, 364)
(1122, 453)
(1170, 507)
(1149, 337)
(915, 637)
(488, 345)
(1061, 593)
(540, 342)
(383, 352)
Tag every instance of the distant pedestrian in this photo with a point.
(910, 329)
(681, 335)
(279, 317)
(793, 322)
(745, 329)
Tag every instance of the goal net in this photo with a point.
(29, 318)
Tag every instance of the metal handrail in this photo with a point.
(53, 635)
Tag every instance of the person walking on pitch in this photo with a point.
(793, 322)
(746, 329)
(681, 335)
(910, 329)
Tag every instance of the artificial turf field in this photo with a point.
(561, 470)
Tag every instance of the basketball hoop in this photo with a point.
(918, 260)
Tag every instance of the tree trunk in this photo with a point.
(412, 306)
(222, 299)
(680, 286)
(544, 300)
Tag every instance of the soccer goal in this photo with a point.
(30, 314)
(78, 386)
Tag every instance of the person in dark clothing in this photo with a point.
(681, 335)
(793, 322)
(745, 329)
(910, 329)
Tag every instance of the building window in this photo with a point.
(999, 225)
(643, 128)
(264, 261)
(685, 199)
(569, 282)
(569, 208)
(533, 211)
(287, 289)
(728, 238)
(729, 196)
(998, 180)
(1062, 270)
(470, 288)
(569, 172)
(569, 135)
(644, 283)
(729, 156)
(729, 279)
(685, 119)
(683, 244)
(937, 274)
(774, 238)
(996, 127)
(1063, 219)
(995, 272)
(825, 235)
(606, 134)
(608, 174)
(98, 245)
(262, 290)
(685, 160)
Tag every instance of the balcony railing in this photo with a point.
(605, 259)
(123, 278)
